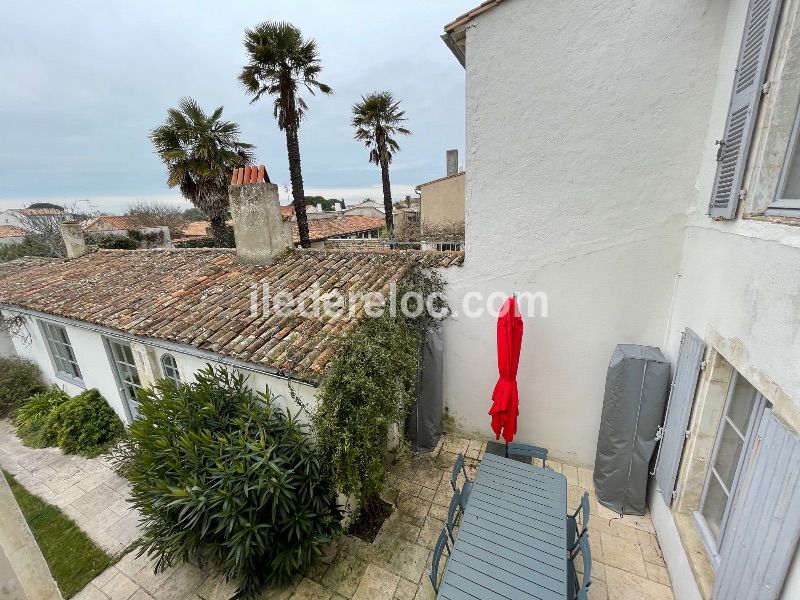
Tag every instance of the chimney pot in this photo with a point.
(73, 238)
(452, 162)
(246, 176)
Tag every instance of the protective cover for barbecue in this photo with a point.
(637, 386)
(424, 422)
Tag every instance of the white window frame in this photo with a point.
(122, 368)
(711, 544)
(170, 371)
(55, 348)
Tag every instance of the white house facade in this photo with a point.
(592, 165)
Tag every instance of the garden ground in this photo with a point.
(628, 564)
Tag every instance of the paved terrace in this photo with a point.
(628, 564)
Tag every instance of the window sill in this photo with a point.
(71, 380)
(696, 553)
(777, 219)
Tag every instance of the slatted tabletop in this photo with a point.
(512, 543)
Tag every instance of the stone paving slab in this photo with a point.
(86, 489)
(627, 558)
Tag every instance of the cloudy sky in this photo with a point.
(84, 82)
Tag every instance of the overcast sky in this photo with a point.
(84, 82)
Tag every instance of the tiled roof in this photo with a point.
(201, 297)
(7, 231)
(322, 229)
(37, 212)
(109, 223)
(194, 229)
(287, 211)
(441, 179)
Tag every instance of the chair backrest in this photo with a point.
(458, 466)
(528, 450)
(585, 512)
(586, 553)
(441, 544)
(452, 511)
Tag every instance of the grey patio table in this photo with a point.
(512, 543)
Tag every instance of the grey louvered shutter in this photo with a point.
(679, 408)
(764, 527)
(759, 30)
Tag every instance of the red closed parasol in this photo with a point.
(505, 398)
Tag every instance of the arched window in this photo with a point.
(170, 368)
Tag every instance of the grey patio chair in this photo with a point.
(441, 544)
(528, 451)
(572, 520)
(452, 514)
(582, 585)
(459, 467)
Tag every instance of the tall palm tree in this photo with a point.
(377, 119)
(281, 61)
(200, 152)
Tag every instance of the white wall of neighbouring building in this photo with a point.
(584, 138)
(97, 372)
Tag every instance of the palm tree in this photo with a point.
(200, 152)
(281, 61)
(377, 119)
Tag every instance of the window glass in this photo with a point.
(791, 186)
(169, 368)
(714, 506)
(742, 399)
(730, 446)
(126, 370)
(61, 351)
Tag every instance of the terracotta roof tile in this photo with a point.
(201, 297)
(109, 223)
(322, 229)
(7, 231)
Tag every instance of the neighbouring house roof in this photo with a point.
(193, 229)
(287, 211)
(201, 297)
(459, 174)
(37, 212)
(7, 231)
(109, 223)
(322, 229)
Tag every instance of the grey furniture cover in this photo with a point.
(637, 385)
(424, 422)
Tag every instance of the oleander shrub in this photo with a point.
(85, 424)
(32, 418)
(221, 474)
(19, 380)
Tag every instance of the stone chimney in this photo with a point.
(73, 238)
(261, 233)
(452, 162)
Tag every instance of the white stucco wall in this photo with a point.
(739, 280)
(97, 370)
(584, 138)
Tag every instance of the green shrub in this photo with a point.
(222, 474)
(19, 380)
(85, 424)
(32, 418)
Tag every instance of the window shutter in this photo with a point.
(679, 408)
(759, 30)
(764, 526)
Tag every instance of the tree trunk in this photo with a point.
(387, 197)
(219, 231)
(298, 194)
